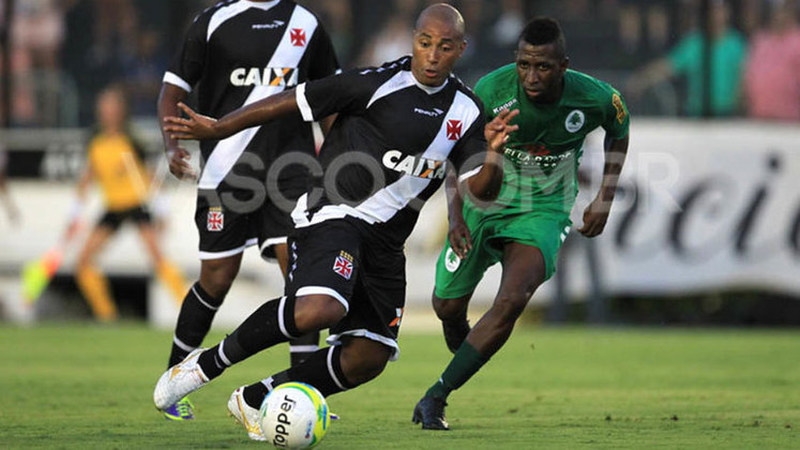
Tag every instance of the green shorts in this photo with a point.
(545, 230)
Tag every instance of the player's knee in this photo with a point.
(448, 308)
(216, 277)
(315, 312)
(510, 306)
(363, 359)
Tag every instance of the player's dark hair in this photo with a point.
(543, 31)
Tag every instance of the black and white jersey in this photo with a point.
(389, 148)
(238, 52)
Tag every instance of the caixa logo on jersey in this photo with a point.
(415, 166)
(264, 76)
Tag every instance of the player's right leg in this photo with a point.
(273, 323)
(456, 280)
(223, 239)
(92, 283)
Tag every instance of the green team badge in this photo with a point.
(451, 260)
(575, 120)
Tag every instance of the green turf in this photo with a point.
(90, 386)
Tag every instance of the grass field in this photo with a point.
(89, 386)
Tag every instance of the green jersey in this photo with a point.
(542, 157)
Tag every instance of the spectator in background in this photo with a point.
(728, 53)
(394, 40)
(772, 73)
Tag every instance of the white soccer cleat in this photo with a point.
(245, 415)
(179, 381)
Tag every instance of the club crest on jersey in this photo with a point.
(298, 37)
(215, 220)
(574, 121)
(343, 265)
(267, 76)
(453, 129)
(416, 166)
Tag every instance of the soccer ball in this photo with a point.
(294, 415)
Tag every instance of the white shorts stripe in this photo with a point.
(335, 339)
(332, 372)
(311, 290)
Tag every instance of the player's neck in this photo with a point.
(430, 90)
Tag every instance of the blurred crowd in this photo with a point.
(65, 51)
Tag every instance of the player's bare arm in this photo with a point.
(485, 185)
(458, 232)
(200, 127)
(596, 214)
(177, 156)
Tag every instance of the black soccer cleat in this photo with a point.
(455, 331)
(430, 411)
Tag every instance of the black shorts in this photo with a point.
(347, 260)
(228, 222)
(113, 219)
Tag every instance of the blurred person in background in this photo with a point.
(728, 53)
(393, 40)
(115, 160)
(772, 73)
(527, 224)
(12, 212)
(236, 53)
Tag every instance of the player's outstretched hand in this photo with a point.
(178, 159)
(460, 240)
(196, 127)
(595, 217)
(498, 130)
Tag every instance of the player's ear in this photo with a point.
(564, 64)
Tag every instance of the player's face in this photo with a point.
(541, 70)
(437, 47)
(110, 110)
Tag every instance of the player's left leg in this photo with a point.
(304, 346)
(523, 271)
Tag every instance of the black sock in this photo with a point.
(269, 325)
(194, 321)
(303, 347)
(328, 379)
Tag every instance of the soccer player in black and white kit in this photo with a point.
(399, 128)
(236, 53)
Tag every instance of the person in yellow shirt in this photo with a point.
(115, 161)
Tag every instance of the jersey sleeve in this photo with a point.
(187, 66)
(348, 92)
(323, 56)
(617, 121)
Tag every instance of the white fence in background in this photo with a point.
(703, 206)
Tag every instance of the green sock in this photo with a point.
(465, 363)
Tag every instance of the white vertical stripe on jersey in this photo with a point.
(173, 79)
(386, 202)
(302, 103)
(234, 9)
(228, 150)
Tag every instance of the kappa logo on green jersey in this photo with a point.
(575, 120)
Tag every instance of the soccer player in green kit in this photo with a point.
(525, 227)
